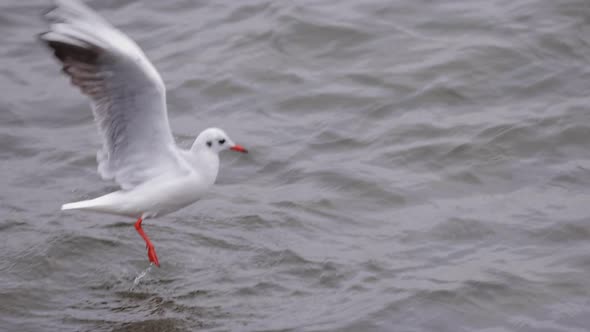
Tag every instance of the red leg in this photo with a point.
(150, 247)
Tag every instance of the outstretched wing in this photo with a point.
(127, 94)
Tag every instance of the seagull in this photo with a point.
(128, 100)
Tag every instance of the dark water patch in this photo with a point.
(260, 289)
(564, 232)
(154, 325)
(13, 146)
(459, 229)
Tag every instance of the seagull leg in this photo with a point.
(150, 247)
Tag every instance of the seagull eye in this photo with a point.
(221, 141)
(209, 143)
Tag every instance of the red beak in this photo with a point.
(239, 148)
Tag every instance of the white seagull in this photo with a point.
(128, 100)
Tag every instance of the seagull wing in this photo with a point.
(127, 94)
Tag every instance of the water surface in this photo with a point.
(414, 166)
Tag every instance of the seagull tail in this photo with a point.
(111, 203)
(78, 205)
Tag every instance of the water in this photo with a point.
(414, 166)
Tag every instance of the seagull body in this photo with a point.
(128, 99)
(162, 194)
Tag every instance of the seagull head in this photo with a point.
(216, 140)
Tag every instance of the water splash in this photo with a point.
(141, 275)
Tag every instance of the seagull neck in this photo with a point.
(206, 162)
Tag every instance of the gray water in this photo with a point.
(415, 166)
